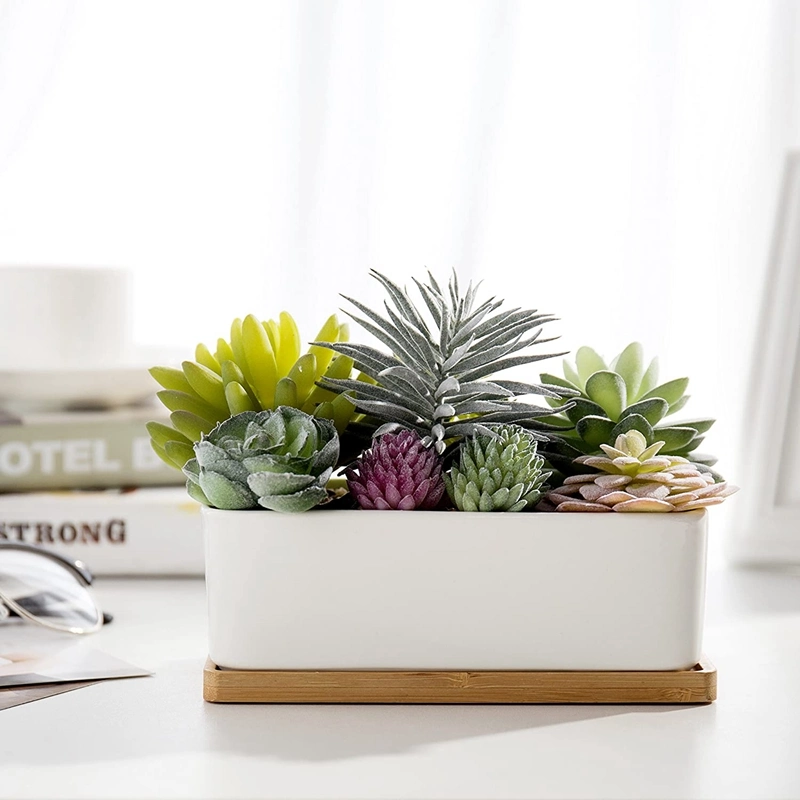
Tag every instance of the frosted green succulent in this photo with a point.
(619, 397)
(437, 379)
(499, 471)
(280, 460)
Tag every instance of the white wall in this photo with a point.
(616, 163)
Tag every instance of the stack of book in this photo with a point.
(88, 485)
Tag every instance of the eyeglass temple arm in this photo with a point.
(5, 611)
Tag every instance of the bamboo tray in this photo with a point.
(697, 685)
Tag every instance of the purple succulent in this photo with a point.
(397, 473)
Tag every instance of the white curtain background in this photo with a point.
(616, 163)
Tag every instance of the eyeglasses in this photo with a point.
(48, 589)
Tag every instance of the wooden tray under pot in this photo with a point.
(697, 685)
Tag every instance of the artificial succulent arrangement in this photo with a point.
(428, 422)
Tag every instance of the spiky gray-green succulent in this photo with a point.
(619, 397)
(497, 471)
(437, 378)
(280, 460)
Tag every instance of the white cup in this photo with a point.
(57, 318)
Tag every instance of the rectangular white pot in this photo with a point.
(427, 590)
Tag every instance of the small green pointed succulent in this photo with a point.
(619, 397)
(280, 460)
(497, 471)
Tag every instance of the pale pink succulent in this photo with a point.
(397, 473)
(633, 477)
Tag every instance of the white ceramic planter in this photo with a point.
(425, 590)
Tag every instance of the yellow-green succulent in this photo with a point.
(260, 368)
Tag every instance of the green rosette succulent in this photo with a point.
(618, 397)
(259, 368)
(280, 460)
(497, 471)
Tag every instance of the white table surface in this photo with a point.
(154, 737)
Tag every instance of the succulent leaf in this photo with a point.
(674, 438)
(196, 493)
(162, 454)
(630, 365)
(183, 401)
(700, 425)
(190, 425)
(238, 399)
(273, 332)
(171, 378)
(686, 451)
(489, 369)
(329, 332)
(303, 374)
(206, 384)
(224, 493)
(677, 406)
(573, 379)
(366, 358)
(290, 343)
(260, 358)
(178, 453)
(583, 408)
(224, 353)
(649, 379)
(202, 355)
(324, 410)
(671, 391)
(653, 410)
(294, 503)
(520, 388)
(239, 353)
(286, 393)
(343, 408)
(595, 430)
(608, 390)
(705, 459)
(231, 373)
(160, 434)
(588, 362)
(632, 422)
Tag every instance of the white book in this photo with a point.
(81, 450)
(149, 531)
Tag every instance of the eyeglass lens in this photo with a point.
(47, 591)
